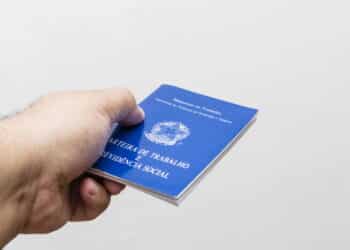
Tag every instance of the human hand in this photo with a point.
(55, 141)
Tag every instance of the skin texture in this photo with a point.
(45, 152)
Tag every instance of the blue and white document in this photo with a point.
(182, 136)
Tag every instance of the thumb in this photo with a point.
(119, 105)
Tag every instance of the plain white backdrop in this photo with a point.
(285, 185)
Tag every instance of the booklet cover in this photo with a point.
(182, 136)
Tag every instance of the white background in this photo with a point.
(285, 185)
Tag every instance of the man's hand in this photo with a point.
(45, 152)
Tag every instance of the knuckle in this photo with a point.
(42, 100)
(125, 90)
(50, 97)
(127, 96)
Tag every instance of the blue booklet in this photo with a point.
(182, 136)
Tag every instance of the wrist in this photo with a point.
(20, 173)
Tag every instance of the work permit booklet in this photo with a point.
(182, 136)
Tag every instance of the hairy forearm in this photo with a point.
(17, 179)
